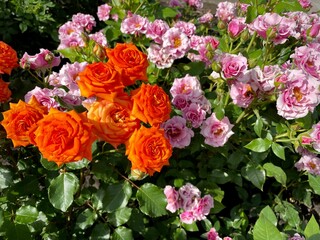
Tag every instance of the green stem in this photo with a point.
(251, 41)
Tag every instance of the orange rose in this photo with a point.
(148, 150)
(5, 92)
(8, 58)
(98, 79)
(112, 119)
(151, 104)
(64, 137)
(20, 121)
(128, 58)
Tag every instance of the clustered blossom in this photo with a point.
(226, 11)
(103, 12)
(214, 235)
(296, 236)
(188, 200)
(41, 61)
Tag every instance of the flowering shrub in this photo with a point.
(167, 123)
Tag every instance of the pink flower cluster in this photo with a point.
(67, 77)
(171, 43)
(194, 106)
(197, 4)
(214, 235)
(76, 32)
(296, 236)
(188, 200)
(41, 61)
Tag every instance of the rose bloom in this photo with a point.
(305, 3)
(233, 65)
(215, 131)
(225, 11)
(177, 132)
(187, 217)
(103, 12)
(8, 58)
(300, 95)
(236, 26)
(19, 121)
(133, 63)
(296, 236)
(172, 195)
(148, 150)
(134, 24)
(98, 79)
(176, 42)
(207, 17)
(309, 162)
(64, 137)
(156, 29)
(112, 118)
(151, 104)
(315, 136)
(159, 56)
(41, 61)
(5, 92)
(241, 94)
(187, 85)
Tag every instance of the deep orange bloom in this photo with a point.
(133, 63)
(151, 104)
(64, 137)
(5, 92)
(20, 121)
(148, 150)
(112, 119)
(99, 79)
(8, 58)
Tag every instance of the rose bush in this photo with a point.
(165, 122)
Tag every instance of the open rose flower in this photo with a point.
(129, 60)
(8, 58)
(112, 119)
(19, 121)
(151, 104)
(148, 150)
(64, 137)
(99, 79)
(41, 61)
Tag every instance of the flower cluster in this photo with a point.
(214, 235)
(188, 200)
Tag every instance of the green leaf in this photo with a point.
(26, 214)
(265, 227)
(259, 145)
(5, 178)
(86, 219)
(314, 182)
(169, 12)
(276, 172)
(312, 230)
(179, 234)
(62, 189)
(254, 174)
(49, 165)
(16, 231)
(136, 221)
(78, 164)
(116, 196)
(287, 6)
(252, 13)
(258, 126)
(100, 232)
(278, 150)
(152, 200)
(192, 227)
(193, 68)
(122, 233)
(219, 111)
(70, 53)
(120, 216)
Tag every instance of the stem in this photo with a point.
(251, 41)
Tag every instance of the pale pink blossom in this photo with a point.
(188, 85)
(84, 21)
(225, 11)
(99, 38)
(299, 96)
(265, 22)
(175, 3)
(156, 29)
(41, 61)
(187, 217)
(315, 136)
(160, 56)
(203, 207)
(286, 28)
(187, 28)
(175, 42)
(236, 26)
(198, 4)
(213, 235)
(233, 65)
(177, 132)
(181, 101)
(44, 97)
(194, 114)
(103, 12)
(206, 18)
(216, 132)
(305, 3)
(309, 162)
(134, 24)
(172, 196)
(241, 94)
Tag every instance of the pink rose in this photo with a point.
(236, 26)
(41, 61)
(172, 198)
(233, 65)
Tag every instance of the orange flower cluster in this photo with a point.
(116, 116)
(61, 137)
(8, 58)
